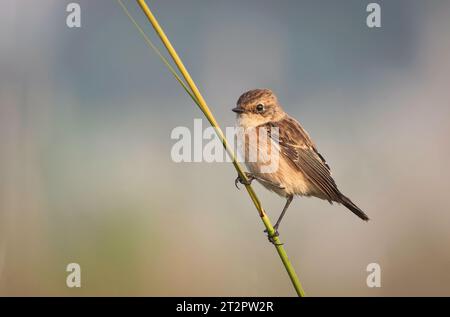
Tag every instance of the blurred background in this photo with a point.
(86, 174)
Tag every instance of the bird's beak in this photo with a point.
(237, 110)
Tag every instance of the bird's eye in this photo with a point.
(260, 107)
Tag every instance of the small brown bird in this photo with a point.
(301, 169)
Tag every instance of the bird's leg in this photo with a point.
(277, 224)
(252, 177)
(286, 206)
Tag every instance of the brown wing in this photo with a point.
(298, 148)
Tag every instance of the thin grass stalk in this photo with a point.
(197, 97)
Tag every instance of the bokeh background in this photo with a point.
(86, 174)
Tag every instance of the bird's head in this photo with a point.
(256, 107)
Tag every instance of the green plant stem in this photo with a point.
(197, 97)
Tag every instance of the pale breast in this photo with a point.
(264, 159)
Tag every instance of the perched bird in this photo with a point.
(301, 169)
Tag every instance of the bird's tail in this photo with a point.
(353, 208)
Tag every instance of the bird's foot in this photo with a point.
(239, 179)
(272, 237)
(251, 177)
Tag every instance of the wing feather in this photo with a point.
(298, 148)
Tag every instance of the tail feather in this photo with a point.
(353, 208)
